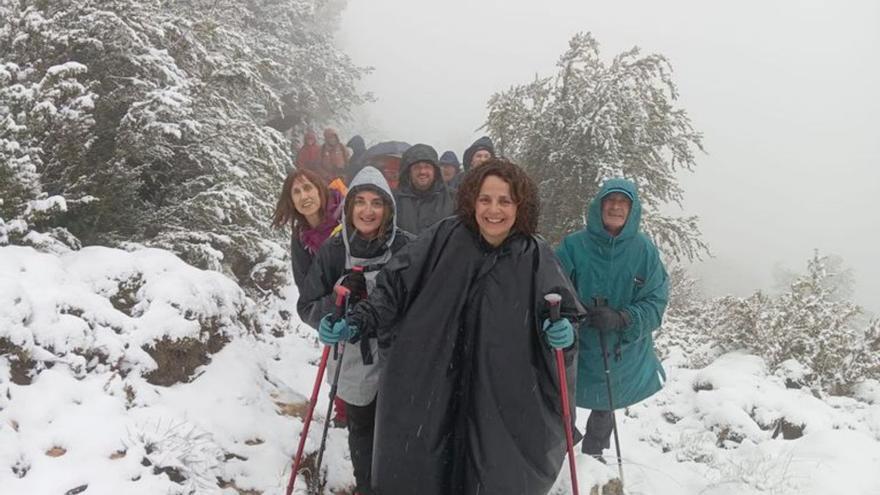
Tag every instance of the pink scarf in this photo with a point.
(313, 237)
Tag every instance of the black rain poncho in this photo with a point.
(469, 399)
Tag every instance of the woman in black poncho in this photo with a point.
(469, 398)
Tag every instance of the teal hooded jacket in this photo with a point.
(625, 271)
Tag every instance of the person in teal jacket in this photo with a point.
(620, 279)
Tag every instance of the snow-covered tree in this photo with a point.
(592, 121)
(45, 119)
(840, 279)
(160, 129)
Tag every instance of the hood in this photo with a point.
(357, 145)
(418, 153)
(310, 135)
(372, 178)
(330, 132)
(450, 158)
(484, 143)
(594, 210)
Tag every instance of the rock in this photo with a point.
(21, 467)
(125, 297)
(293, 409)
(613, 487)
(20, 362)
(173, 474)
(727, 437)
(789, 431)
(702, 386)
(56, 452)
(224, 484)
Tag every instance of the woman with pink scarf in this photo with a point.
(313, 210)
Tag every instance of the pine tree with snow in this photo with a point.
(592, 121)
(45, 120)
(158, 128)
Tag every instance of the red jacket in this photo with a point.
(334, 155)
(309, 155)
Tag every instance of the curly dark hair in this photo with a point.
(523, 191)
(285, 213)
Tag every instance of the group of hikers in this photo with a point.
(450, 384)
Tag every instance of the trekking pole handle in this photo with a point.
(341, 296)
(554, 303)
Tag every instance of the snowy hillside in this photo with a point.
(132, 372)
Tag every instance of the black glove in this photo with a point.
(605, 318)
(355, 282)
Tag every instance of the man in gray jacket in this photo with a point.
(422, 197)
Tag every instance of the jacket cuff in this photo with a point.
(627, 319)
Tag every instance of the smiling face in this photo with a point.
(368, 213)
(480, 157)
(495, 210)
(615, 211)
(421, 175)
(306, 199)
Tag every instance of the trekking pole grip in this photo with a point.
(341, 296)
(554, 304)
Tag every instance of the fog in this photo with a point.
(786, 94)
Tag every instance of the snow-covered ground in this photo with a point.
(94, 421)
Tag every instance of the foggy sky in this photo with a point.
(786, 94)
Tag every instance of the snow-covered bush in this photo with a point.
(145, 313)
(807, 334)
(809, 324)
(182, 451)
(688, 317)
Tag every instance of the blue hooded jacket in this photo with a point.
(449, 158)
(627, 272)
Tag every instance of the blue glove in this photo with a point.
(331, 332)
(559, 333)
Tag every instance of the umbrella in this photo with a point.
(386, 148)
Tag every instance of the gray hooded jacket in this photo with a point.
(418, 210)
(361, 363)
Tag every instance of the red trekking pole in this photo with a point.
(553, 301)
(334, 385)
(341, 293)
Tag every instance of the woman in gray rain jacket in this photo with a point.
(368, 239)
